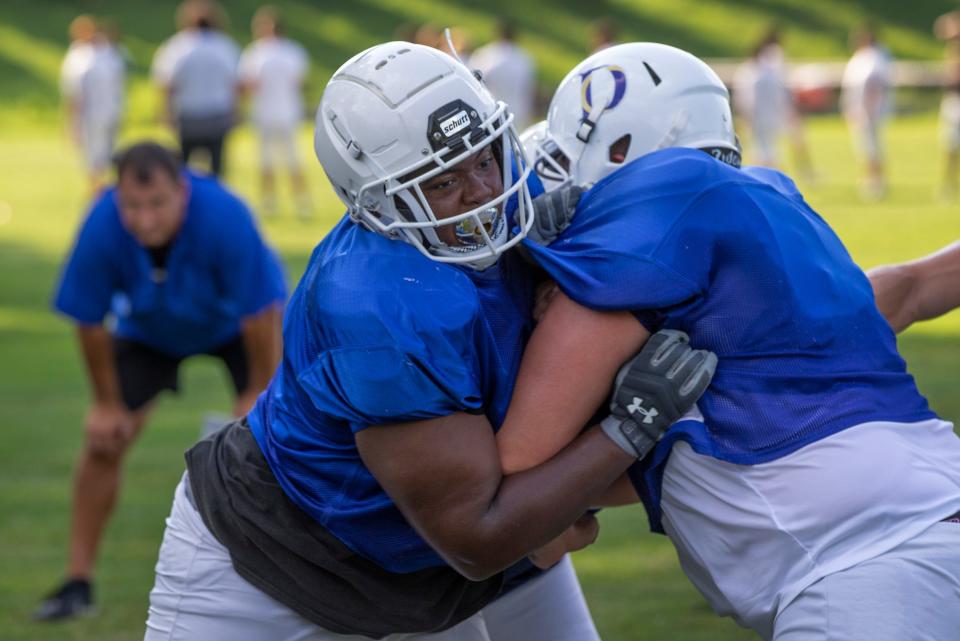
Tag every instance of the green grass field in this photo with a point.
(631, 578)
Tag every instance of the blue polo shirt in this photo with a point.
(218, 271)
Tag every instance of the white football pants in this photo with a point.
(198, 596)
(911, 593)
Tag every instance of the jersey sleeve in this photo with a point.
(89, 276)
(402, 347)
(608, 260)
(643, 239)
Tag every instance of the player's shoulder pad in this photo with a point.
(618, 230)
(361, 279)
(773, 178)
(660, 182)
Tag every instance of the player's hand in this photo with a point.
(110, 427)
(582, 533)
(552, 213)
(655, 388)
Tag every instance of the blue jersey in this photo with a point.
(218, 271)
(377, 334)
(740, 262)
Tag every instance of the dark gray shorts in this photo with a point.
(144, 371)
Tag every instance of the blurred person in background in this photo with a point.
(508, 72)
(947, 28)
(197, 71)
(406, 31)
(866, 103)
(273, 70)
(463, 46)
(763, 99)
(166, 265)
(428, 35)
(918, 290)
(603, 34)
(92, 84)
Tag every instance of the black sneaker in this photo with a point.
(72, 599)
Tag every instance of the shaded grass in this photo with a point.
(557, 33)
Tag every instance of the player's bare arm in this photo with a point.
(444, 475)
(918, 290)
(567, 371)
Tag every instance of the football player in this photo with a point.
(811, 495)
(363, 495)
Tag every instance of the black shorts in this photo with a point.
(144, 372)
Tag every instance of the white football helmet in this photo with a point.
(547, 167)
(629, 100)
(395, 116)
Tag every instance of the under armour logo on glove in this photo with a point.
(648, 414)
(671, 376)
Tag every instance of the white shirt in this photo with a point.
(865, 87)
(200, 66)
(760, 90)
(275, 68)
(93, 75)
(509, 74)
(752, 537)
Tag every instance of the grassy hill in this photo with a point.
(33, 32)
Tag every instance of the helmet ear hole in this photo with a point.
(619, 149)
(403, 209)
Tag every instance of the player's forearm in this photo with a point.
(622, 492)
(96, 344)
(919, 289)
(938, 283)
(894, 293)
(567, 370)
(528, 509)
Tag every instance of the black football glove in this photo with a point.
(655, 388)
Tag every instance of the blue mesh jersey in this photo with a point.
(218, 271)
(739, 261)
(376, 334)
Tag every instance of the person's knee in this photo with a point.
(105, 455)
(110, 452)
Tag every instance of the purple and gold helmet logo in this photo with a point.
(587, 79)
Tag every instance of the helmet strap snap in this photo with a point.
(586, 130)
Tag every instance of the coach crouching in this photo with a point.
(176, 266)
